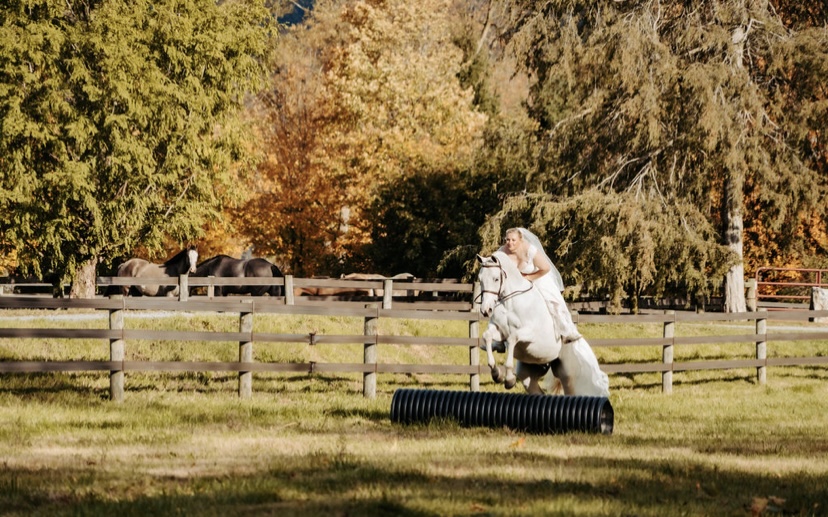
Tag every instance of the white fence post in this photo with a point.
(289, 300)
(183, 288)
(116, 352)
(387, 293)
(369, 379)
(246, 352)
(762, 347)
(474, 333)
(750, 298)
(667, 353)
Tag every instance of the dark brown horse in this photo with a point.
(226, 266)
(182, 263)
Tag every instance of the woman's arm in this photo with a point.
(543, 267)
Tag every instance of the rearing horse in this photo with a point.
(518, 315)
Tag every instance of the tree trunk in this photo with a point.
(734, 299)
(84, 284)
(734, 286)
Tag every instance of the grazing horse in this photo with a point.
(183, 262)
(519, 316)
(374, 276)
(355, 291)
(226, 266)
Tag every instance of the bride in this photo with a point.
(524, 248)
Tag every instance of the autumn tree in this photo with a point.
(119, 124)
(691, 106)
(296, 209)
(368, 95)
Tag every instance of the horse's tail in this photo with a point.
(113, 289)
(276, 290)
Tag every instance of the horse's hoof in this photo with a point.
(510, 383)
(497, 374)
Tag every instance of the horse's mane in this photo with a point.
(506, 263)
(214, 259)
(177, 256)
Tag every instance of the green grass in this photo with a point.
(184, 444)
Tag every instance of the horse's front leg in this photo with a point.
(488, 337)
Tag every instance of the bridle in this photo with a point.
(503, 277)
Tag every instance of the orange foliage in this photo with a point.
(294, 213)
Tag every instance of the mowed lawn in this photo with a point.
(185, 444)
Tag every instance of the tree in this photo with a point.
(639, 250)
(367, 95)
(120, 124)
(699, 107)
(296, 207)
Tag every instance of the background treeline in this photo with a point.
(655, 147)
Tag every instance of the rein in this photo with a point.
(501, 298)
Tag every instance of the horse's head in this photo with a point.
(491, 278)
(192, 257)
(500, 279)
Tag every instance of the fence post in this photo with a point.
(211, 288)
(369, 379)
(762, 346)
(750, 298)
(387, 293)
(474, 333)
(289, 300)
(183, 288)
(246, 352)
(116, 351)
(667, 353)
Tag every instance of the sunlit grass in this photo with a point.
(315, 446)
(184, 443)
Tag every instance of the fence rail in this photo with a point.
(119, 337)
(780, 288)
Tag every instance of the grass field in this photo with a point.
(184, 444)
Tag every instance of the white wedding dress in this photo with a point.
(553, 296)
(577, 357)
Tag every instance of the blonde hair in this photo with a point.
(522, 253)
(515, 230)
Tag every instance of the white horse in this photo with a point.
(518, 315)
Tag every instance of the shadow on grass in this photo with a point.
(82, 384)
(338, 484)
(36, 384)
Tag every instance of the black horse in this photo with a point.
(226, 266)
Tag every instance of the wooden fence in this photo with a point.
(784, 288)
(119, 337)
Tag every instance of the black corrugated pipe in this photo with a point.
(521, 412)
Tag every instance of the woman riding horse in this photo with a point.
(575, 365)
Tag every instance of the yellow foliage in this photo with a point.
(364, 93)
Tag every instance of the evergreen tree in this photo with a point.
(119, 124)
(697, 107)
